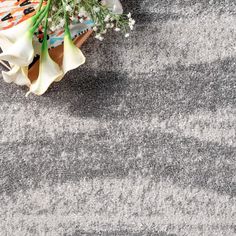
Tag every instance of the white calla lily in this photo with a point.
(13, 33)
(5, 43)
(17, 75)
(16, 42)
(21, 52)
(73, 57)
(114, 5)
(49, 71)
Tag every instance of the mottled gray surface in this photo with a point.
(139, 141)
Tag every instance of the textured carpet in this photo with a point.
(139, 141)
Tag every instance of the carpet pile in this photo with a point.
(141, 140)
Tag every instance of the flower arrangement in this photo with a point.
(31, 30)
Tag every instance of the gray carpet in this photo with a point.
(139, 141)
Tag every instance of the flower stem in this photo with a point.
(40, 5)
(45, 38)
(41, 16)
(67, 30)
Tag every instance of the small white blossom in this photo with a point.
(96, 9)
(68, 8)
(95, 28)
(107, 18)
(108, 26)
(127, 35)
(53, 28)
(99, 37)
(58, 27)
(104, 31)
(129, 15)
(131, 21)
(62, 23)
(82, 12)
(117, 29)
(103, 2)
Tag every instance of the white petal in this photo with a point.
(17, 75)
(21, 52)
(73, 57)
(5, 43)
(49, 71)
(114, 5)
(14, 32)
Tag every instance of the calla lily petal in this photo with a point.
(49, 71)
(21, 52)
(5, 43)
(17, 75)
(114, 5)
(13, 33)
(73, 57)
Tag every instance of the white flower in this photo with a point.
(99, 37)
(17, 75)
(117, 29)
(49, 71)
(127, 35)
(131, 21)
(95, 28)
(53, 27)
(107, 18)
(104, 31)
(62, 23)
(68, 8)
(129, 15)
(21, 52)
(82, 12)
(103, 2)
(16, 43)
(96, 9)
(114, 6)
(5, 43)
(73, 57)
(108, 25)
(13, 33)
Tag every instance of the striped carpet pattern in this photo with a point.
(141, 140)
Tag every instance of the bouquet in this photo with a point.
(40, 39)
